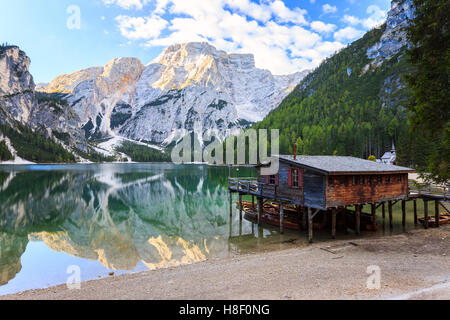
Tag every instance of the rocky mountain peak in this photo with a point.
(394, 38)
(190, 83)
(186, 54)
(15, 77)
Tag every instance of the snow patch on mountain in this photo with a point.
(188, 84)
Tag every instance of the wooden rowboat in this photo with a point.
(271, 216)
(443, 219)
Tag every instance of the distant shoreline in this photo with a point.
(300, 273)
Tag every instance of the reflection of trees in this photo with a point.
(163, 215)
(32, 201)
(124, 221)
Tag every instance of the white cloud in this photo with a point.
(327, 8)
(376, 18)
(281, 38)
(141, 27)
(347, 34)
(322, 27)
(128, 4)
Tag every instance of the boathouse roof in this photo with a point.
(344, 165)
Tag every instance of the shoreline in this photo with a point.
(413, 265)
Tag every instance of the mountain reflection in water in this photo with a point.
(159, 214)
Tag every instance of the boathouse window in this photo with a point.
(330, 181)
(361, 180)
(342, 180)
(354, 181)
(380, 180)
(399, 178)
(388, 179)
(272, 180)
(295, 178)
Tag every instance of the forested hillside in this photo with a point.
(347, 106)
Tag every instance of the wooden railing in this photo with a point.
(249, 185)
(430, 190)
(252, 187)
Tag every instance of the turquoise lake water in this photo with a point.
(124, 218)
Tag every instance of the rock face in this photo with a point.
(188, 85)
(16, 84)
(392, 43)
(394, 38)
(19, 103)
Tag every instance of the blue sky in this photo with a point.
(285, 36)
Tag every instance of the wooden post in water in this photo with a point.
(333, 223)
(403, 213)
(437, 214)
(425, 208)
(358, 220)
(374, 213)
(383, 208)
(416, 220)
(310, 225)
(281, 218)
(260, 209)
(391, 225)
(231, 204)
(240, 206)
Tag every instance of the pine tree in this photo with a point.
(429, 33)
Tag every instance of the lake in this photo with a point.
(124, 218)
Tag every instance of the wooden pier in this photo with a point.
(329, 187)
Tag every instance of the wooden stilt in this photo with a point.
(383, 208)
(231, 204)
(281, 218)
(260, 210)
(358, 220)
(391, 225)
(437, 215)
(416, 220)
(305, 218)
(333, 223)
(425, 209)
(310, 225)
(374, 213)
(403, 213)
(240, 206)
(231, 226)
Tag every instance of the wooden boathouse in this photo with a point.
(326, 185)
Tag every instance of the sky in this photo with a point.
(286, 36)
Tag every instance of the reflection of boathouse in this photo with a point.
(307, 187)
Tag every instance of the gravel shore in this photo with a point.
(414, 265)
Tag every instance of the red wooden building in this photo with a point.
(327, 184)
